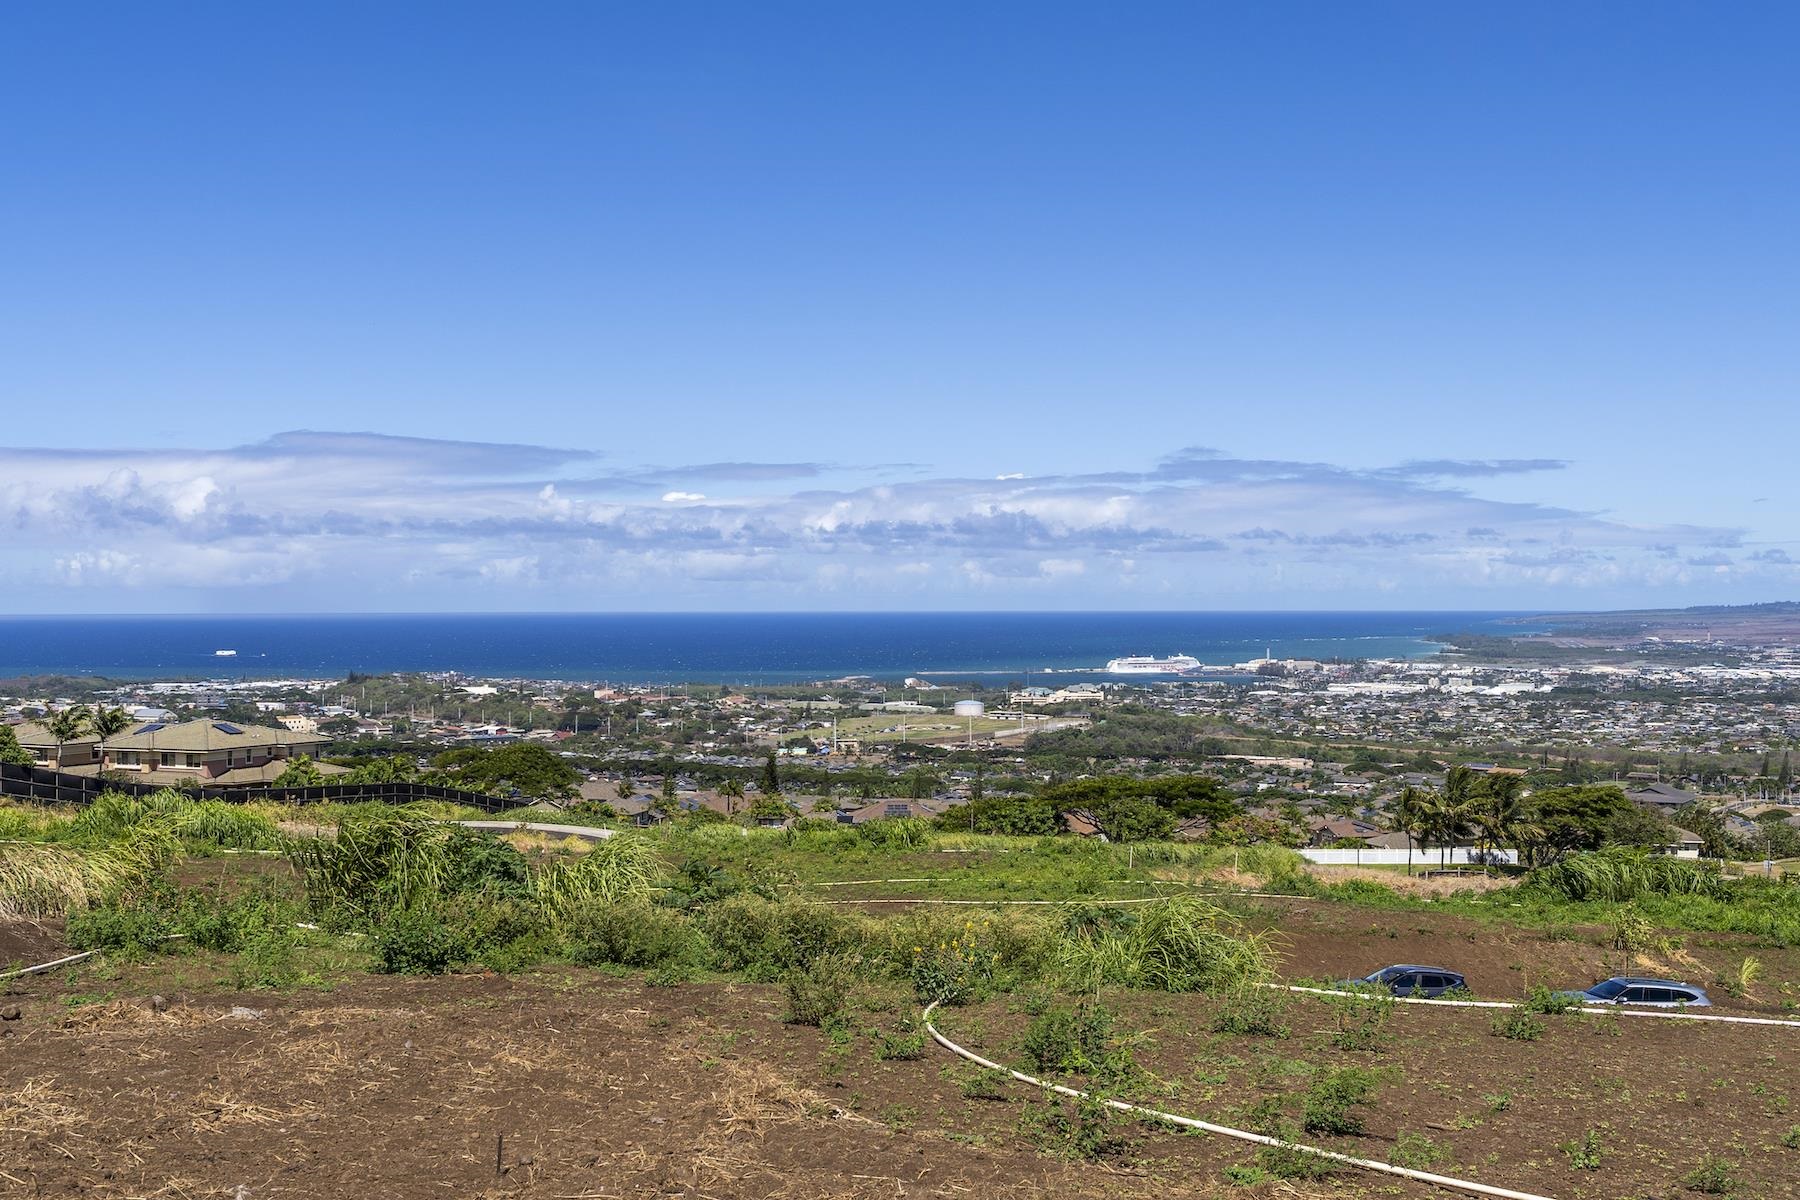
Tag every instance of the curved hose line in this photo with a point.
(72, 959)
(49, 966)
(1243, 1135)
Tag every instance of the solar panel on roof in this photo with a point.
(152, 728)
(222, 727)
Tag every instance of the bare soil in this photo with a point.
(558, 1084)
(566, 1083)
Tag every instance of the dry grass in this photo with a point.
(752, 1095)
(35, 1109)
(529, 842)
(224, 1111)
(1412, 885)
(132, 1015)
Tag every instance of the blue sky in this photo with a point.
(728, 306)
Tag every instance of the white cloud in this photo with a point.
(422, 518)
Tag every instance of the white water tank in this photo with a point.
(970, 708)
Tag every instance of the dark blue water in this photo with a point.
(736, 647)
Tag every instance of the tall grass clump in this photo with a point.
(1181, 944)
(230, 826)
(1617, 876)
(52, 880)
(213, 822)
(381, 859)
(624, 867)
(21, 822)
(112, 813)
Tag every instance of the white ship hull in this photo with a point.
(1174, 665)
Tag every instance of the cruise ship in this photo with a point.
(1175, 664)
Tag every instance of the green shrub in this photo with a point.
(503, 932)
(1252, 1010)
(268, 959)
(1079, 1040)
(740, 932)
(1586, 1152)
(1361, 1018)
(1715, 1176)
(952, 972)
(1518, 1025)
(417, 941)
(1542, 1000)
(630, 935)
(975, 1083)
(226, 924)
(1331, 1100)
(820, 990)
(1285, 1161)
(805, 931)
(1417, 1151)
(1084, 1129)
(905, 1044)
(132, 928)
(481, 862)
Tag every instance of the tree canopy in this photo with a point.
(1124, 809)
(519, 766)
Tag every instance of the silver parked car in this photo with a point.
(1653, 993)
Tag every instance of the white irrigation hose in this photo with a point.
(72, 959)
(49, 966)
(1243, 1135)
(1598, 1010)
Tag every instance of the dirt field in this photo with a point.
(573, 1083)
(561, 1084)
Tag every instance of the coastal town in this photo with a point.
(1319, 749)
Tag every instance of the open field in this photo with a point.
(600, 1085)
(942, 729)
(720, 1012)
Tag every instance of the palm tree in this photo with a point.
(1451, 809)
(108, 723)
(1408, 815)
(66, 726)
(1503, 813)
(733, 791)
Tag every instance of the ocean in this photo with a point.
(698, 647)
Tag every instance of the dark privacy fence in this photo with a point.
(43, 786)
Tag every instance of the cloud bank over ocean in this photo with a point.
(350, 521)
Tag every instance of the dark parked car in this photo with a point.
(1411, 980)
(1631, 989)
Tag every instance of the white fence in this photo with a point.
(1461, 856)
